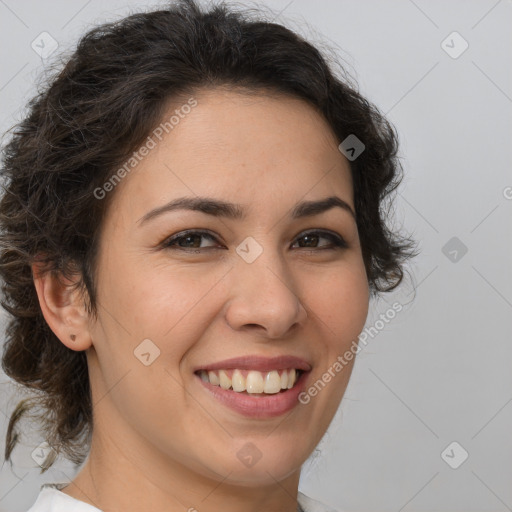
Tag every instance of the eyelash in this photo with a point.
(336, 240)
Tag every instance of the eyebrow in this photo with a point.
(219, 208)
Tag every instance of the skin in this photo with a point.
(160, 442)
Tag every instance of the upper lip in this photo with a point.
(259, 363)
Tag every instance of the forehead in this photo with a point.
(232, 145)
(259, 122)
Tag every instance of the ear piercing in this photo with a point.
(73, 337)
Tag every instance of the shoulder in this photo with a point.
(51, 499)
(310, 505)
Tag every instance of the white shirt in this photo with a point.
(51, 499)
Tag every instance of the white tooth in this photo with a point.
(238, 381)
(272, 382)
(284, 380)
(291, 378)
(214, 378)
(224, 380)
(254, 382)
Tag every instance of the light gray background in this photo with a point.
(441, 370)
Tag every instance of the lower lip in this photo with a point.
(269, 406)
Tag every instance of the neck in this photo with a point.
(121, 481)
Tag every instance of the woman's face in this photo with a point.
(261, 284)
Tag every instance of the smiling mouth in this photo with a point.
(252, 382)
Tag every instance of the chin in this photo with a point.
(250, 467)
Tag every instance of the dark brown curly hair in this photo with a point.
(88, 119)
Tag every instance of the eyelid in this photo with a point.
(321, 231)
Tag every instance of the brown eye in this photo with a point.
(191, 240)
(188, 240)
(312, 240)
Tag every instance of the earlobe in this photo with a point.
(62, 308)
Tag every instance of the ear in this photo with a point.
(62, 308)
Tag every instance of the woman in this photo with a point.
(192, 229)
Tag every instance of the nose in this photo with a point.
(264, 298)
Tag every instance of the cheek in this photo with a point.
(168, 304)
(341, 300)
